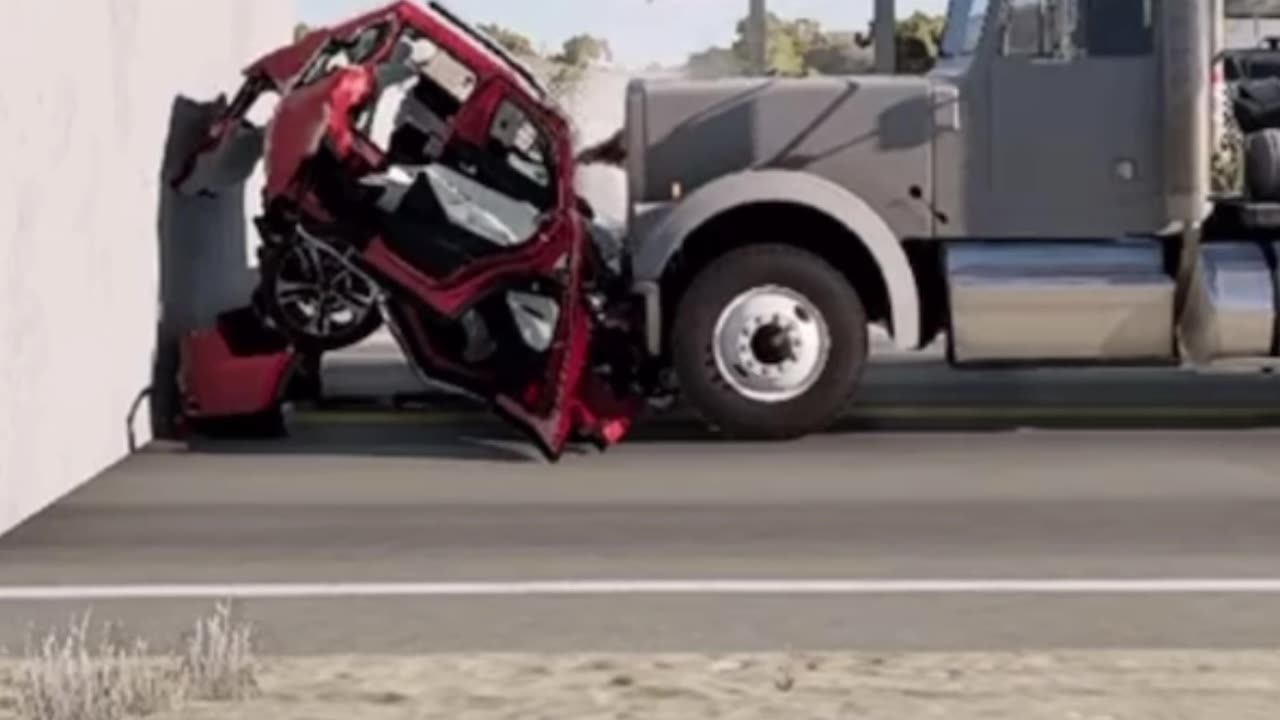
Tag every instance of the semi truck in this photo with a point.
(1040, 197)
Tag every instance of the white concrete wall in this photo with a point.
(89, 90)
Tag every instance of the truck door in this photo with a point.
(1074, 114)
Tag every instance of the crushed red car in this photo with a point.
(417, 176)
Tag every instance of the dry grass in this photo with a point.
(67, 675)
(217, 658)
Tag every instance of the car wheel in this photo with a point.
(1262, 165)
(769, 342)
(314, 301)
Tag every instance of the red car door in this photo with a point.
(512, 151)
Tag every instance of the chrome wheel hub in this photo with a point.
(319, 293)
(771, 344)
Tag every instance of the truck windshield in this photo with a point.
(965, 22)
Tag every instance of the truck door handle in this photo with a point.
(946, 109)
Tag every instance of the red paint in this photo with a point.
(283, 65)
(435, 363)
(351, 88)
(217, 383)
(560, 237)
(455, 293)
(307, 116)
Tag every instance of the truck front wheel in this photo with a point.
(769, 342)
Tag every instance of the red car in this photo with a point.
(418, 175)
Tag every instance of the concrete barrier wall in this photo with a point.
(89, 101)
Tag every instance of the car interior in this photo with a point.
(446, 202)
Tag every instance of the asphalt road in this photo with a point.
(449, 497)
(408, 503)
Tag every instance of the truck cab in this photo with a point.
(1042, 196)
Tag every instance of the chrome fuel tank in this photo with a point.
(1060, 302)
(1231, 306)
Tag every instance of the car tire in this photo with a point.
(732, 388)
(1262, 165)
(265, 300)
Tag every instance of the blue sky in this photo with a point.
(638, 31)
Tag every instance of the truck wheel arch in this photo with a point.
(724, 195)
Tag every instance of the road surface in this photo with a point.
(419, 504)
(996, 491)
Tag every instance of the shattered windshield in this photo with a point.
(966, 20)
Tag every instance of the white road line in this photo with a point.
(1155, 586)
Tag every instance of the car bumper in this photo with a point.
(235, 368)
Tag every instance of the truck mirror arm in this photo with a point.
(917, 194)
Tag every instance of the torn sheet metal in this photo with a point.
(462, 214)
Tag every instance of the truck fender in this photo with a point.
(655, 250)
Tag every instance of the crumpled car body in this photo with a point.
(414, 169)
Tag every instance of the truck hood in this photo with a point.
(855, 130)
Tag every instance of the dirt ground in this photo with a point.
(1068, 686)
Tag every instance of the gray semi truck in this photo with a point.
(1041, 197)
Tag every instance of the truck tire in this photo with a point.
(1262, 165)
(769, 343)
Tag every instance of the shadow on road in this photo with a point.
(372, 409)
(365, 440)
(474, 435)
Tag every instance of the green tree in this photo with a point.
(514, 42)
(581, 50)
(300, 31)
(837, 54)
(806, 35)
(784, 49)
(918, 38)
(801, 46)
(715, 63)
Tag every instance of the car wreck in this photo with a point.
(417, 175)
